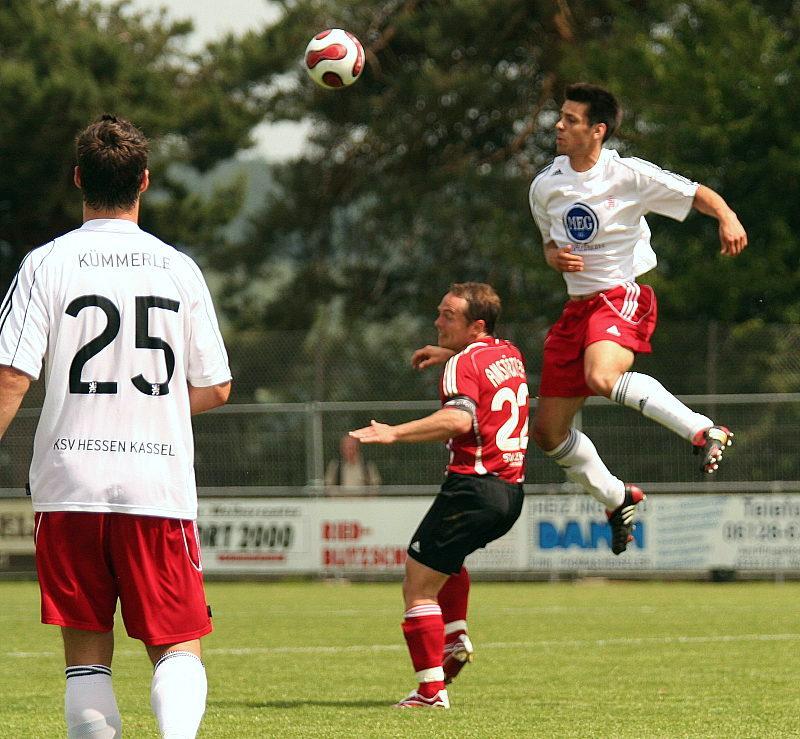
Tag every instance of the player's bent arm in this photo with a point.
(440, 426)
(13, 386)
(203, 399)
(430, 356)
(732, 236)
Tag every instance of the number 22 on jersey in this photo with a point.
(512, 436)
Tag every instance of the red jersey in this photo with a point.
(487, 379)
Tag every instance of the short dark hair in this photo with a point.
(482, 302)
(603, 106)
(112, 156)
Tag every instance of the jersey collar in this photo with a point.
(601, 160)
(110, 224)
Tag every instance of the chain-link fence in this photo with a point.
(297, 394)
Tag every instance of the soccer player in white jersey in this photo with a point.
(131, 348)
(484, 419)
(589, 204)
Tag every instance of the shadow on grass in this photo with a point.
(300, 703)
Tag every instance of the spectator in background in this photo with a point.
(351, 470)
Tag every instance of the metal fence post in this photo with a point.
(712, 362)
(315, 449)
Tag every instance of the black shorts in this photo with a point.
(468, 513)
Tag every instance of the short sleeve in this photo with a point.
(662, 191)
(207, 358)
(24, 323)
(460, 379)
(539, 212)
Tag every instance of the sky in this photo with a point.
(215, 18)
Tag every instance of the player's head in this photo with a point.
(111, 171)
(589, 116)
(467, 312)
(601, 105)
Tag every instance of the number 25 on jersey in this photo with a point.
(107, 336)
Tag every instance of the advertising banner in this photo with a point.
(16, 526)
(673, 533)
(555, 534)
(251, 535)
(328, 536)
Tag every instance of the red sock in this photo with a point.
(453, 598)
(423, 629)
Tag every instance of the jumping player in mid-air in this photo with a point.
(589, 205)
(484, 419)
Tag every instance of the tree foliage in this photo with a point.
(418, 174)
(64, 62)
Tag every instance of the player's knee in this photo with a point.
(601, 381)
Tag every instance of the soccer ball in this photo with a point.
(334, 58)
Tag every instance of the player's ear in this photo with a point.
(600, 131)
(76, 176)
(145, 183)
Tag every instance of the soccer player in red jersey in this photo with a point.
(126, 329)
(484, 420)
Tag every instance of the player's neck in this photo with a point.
(91, 214)
(471, 341)
(585, 160)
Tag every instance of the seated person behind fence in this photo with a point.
(351, 470)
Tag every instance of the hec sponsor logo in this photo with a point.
(581, 223)
(583, 535)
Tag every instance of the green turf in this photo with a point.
(587, 659)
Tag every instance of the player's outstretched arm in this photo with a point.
(430, 356)
(13, 386)
(562, 259)
(203, 399)
(732, 236)
(440, 426)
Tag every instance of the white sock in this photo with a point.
(582, 465)
(90, 707)
(178, 694)
(648, 396)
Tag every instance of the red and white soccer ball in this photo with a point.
(334, 58)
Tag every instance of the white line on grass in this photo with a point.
(546, 643)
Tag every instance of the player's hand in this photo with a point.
(732, 236)
(565, 261)
(430, 356)
(375, 433)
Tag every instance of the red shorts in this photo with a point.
(626, 315)
(86, 561)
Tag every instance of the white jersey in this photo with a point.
(601, 212)
(122, 321)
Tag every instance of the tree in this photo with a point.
(62, 63)
(708, 86)
(418, 173)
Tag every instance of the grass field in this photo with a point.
(585, 659)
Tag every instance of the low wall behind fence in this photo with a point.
(677, 534)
